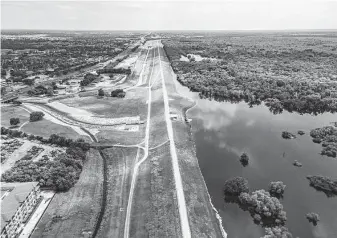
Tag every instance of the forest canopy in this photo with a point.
(297, 74)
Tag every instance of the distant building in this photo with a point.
(18, 200)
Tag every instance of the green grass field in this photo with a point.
(72, 213)
(46, 128)
(134, 104)
(120, 163)
(155, 209)
(7, 112)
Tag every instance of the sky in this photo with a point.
(170, 15)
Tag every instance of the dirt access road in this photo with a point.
(184, 222)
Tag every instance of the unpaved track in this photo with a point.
(186, 232)
(146, 153)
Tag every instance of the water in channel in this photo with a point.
(222, 131)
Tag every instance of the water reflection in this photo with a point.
(222, 131)
(213, 115)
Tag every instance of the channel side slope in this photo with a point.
(203, 218)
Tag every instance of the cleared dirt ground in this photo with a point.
(73, 213)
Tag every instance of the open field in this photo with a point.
(45, 128)
(9, 111)
(72, 213)
(132, 105)
(120, 162)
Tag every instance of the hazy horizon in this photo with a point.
(241, 15)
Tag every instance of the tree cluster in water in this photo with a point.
(287, 73)
(324, 184)
(265, 209)
(328, 136)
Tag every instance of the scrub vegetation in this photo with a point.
(59, 173)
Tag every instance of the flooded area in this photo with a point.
(222, 131)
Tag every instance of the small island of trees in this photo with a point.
(324, 184)
(328, 137)
(265, 209)
(244, 159)
(313, 218)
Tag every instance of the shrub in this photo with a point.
(118, 93)
(14, 121)
(36, 116)
(287, 135)
(235, 186)
(313, 218)
(101, 92)
(4, 130)
(244, 159)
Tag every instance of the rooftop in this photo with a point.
(12, 195)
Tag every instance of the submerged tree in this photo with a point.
(276, 189)
(235, 186)
(244, 159)
(313, 218)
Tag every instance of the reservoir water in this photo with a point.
(222, 131)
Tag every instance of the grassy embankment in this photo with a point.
(203, 221)
(43, 128)
(120, 162)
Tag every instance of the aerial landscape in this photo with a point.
(165, 131)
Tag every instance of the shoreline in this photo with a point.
(190, 130)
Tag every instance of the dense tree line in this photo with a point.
(278, 71)
(114, 71)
